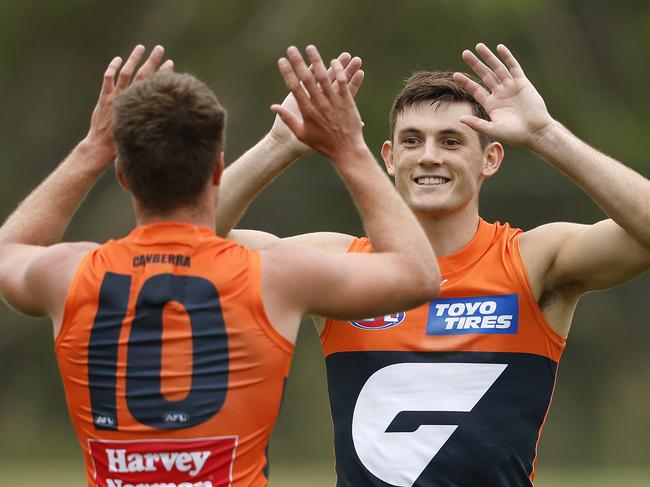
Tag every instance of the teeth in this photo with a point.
(431, 180)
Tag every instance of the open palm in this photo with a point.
(100, 134)
(517, 111)
(282, 134)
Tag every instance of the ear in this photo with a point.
(218, 169)
(387, 155)
(120, 177)
(492, 157)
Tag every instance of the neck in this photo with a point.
(450, 233)
(200, 215)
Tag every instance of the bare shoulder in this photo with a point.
(62, 255)
(539, 250)
(51, 271)
(34, 280)
(282, 282)
(548, 238)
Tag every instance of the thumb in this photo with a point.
(478, 124)
(288, 118)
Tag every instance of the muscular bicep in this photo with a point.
(19, 283)
(597, 256)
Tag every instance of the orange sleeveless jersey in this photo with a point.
(454, 392)
(172, 371)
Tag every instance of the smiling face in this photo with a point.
(438, 162)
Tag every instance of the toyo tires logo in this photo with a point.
(474, 315)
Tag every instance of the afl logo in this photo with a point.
(380, 323)
(176, 417)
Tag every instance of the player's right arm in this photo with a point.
(401, 274)
(35, 273)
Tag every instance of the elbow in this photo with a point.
(426, 282)
(432, 284)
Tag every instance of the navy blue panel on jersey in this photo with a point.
(485, 440)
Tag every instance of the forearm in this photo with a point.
(622, 193)
(43, 216)
(245, 178)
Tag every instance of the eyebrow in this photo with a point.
(451, 131)
(446, 131)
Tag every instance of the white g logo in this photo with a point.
(400, 458)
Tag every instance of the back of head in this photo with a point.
(434, 87)
(168, 130)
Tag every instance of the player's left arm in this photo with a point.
(26, 260)
(589, 257)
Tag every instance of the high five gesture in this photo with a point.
(100, 137)
(330, 120)
(517, 111)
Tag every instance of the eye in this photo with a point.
(450, 143)
(411, 141)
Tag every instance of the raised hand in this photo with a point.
(517, 111)
(282, 134)
(328, 121)
(100, 137)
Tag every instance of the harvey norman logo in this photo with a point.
(474, 315)
(170, 463)
(180, 461)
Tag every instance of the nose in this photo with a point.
(430, 155)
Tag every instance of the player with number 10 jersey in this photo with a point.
(173, 343)
(158, 326)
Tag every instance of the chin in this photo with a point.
(435, 207)
(430, 209)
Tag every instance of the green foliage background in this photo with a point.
(588, 59)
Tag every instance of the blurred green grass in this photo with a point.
(53, 474)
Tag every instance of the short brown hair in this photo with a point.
(435, 87)
(168, 130)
